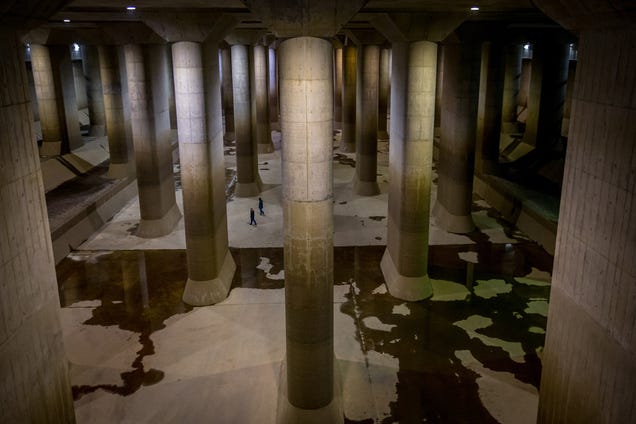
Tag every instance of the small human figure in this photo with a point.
(252, 220)
(260, 206)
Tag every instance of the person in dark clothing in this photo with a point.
(252, 220)
(260, 206)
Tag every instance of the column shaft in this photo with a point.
(248, 181)
(338, 80)
(365, 180)
(120, 165)
(306, 90)
(261, 100)
(383, 94)
(146, 68)
(64, 81)
(349, 72)
(226, 94)
(405, 261)
(94, 93)
(198, 102)
(512, 84)
(457, 144)
(47, 102)
(272, 89)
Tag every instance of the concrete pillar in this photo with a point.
(248, 181)
(365, 180)
(567, 105)
(405, 260)
(260, 99)
(90, 60)
(438, 89)
(588, 362)
(125, 97)
(79, 83)
(383, 94)
(120, 165)
(273, 90)
(34, 376)
(547, 93)
(64, 80)
(491, 83)
(200, 126)
(172, 104)
(457, 143)
(306, 90)
(512, 84)
(146, 68)
(226, 94)
(337, 98)
(349, 74)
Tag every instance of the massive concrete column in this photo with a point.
(547, 93)
(365, 180)
(210, 264)
(150, 114)
(349, 73)
(489, 107)
(383, 93)
(35, 386)
(588, 362)
(306, 90)
(227, 97)
(405, 261)
(272, 89)
(121, 164)
(64, 81)
(512, 83)
(260, 98)
(248, 181)
(438, 89)
(79, 84)
(46, 98)
(337, 98)
(94, 90)
(457, 144)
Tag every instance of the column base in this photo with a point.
(229, 136)
(383, 135)
(120, 170)
(337, 125)
(347, 147)
(51, 148)
(265, 148)
(247, 189)
(152, 228)
(402, 287)
(286, 413)
(459, 224)
(209, 292)
(365, 188)
(97, 130)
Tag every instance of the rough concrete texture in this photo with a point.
(349, 75)
(588, 364)
(306, 92)
(272, 89)
(457, 143)
(512, 84)
(337, 82)
(120, 164)
(227, 97)
(146, 68)
(95, 98)
(383, 94)
(80, 85)
(260, 99)
(210, 266)
(405, 262)
(34, 378)
(248, 182)
(365, 181)
(489, 107)
(64, 80)
(47, 102)
(547, 93)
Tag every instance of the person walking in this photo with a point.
(252, 220)
(260, 206)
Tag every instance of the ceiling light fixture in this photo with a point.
(66, 21)
(76, 47)
(131, 8)
(474, 8)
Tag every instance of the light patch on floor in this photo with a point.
(532, 282)
(448, 291)
(537, 274)
(374, 323)
(468, 257)
(86, 304)
(507, 399)
(539, 307)
(266, 266)
(250, 296)
(491, 288)
(381, 289)
(401, 309)
(477, 322)
(536, 330)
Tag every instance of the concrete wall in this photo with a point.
(34, 383)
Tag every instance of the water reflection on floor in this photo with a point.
(451, 359)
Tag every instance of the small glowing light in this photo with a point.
(526, 46)
(131, 8)
(67, 21)
(75, 47)
(474, 8)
